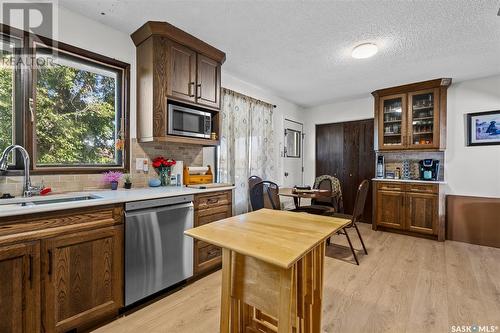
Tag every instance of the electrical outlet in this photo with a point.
(139, 163)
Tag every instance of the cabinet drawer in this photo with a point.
(216, 214)
(422, 188)
(207, 256)
(390, 186)
(213, 199)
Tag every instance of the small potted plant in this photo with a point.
(128, 181)
(112, 177)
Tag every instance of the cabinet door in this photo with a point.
(423, 119)
(421, 211)
(20, 288)
(83, 278)
(181, 82)
(390, 209)
(392, 122)
(208, 82)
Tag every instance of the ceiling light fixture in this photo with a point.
(365, 50)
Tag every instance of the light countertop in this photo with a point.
(8, 207)
(441, 182)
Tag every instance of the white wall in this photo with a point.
(469, 170)
(356, 109)
(284, 109)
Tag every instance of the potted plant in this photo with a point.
(112, 177)
(128, 181)
(164, 168)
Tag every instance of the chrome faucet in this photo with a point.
(28, 190)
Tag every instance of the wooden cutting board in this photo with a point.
(210, 185)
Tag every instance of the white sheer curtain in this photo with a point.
(246, 146)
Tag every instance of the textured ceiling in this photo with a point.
(300, 50)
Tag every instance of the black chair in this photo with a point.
(325, 205)
(265, 194)
(359, 207)
(252, 181)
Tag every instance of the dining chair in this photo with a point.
(265, 194)
(328, 204)
(359, 207)
(252, 180)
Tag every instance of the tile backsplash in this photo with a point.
(191, 155)
(395, 160)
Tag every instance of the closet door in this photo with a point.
(350, 165)
(329, 150)
(366, 168)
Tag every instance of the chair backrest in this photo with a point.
(252, 181)
(359, 203)
(265, 195)
(332, 184)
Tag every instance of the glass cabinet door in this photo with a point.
(423, 122)
(393, 116)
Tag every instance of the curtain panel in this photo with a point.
(246, 143)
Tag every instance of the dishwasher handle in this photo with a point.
(188, 205)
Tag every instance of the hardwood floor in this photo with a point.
(404, 284)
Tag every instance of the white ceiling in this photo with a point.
(300, 50)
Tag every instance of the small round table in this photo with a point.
(299, 194)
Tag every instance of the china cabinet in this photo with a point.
(413, 116)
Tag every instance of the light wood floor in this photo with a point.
(405, 284)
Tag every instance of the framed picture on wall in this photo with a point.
(483, 128)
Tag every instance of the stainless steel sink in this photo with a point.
(45, 201)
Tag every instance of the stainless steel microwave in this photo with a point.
(189, 122)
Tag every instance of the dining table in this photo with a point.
(272, 269)
(298, 194)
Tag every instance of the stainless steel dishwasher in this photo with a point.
(157, 253)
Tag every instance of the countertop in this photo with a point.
(441, 182)
(274, 236)
(106, 197)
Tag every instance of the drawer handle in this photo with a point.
(212, 252)
(213, 201)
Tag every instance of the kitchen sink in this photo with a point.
(45, 201)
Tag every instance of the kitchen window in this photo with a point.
(75, 114)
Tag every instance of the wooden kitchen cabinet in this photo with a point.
(209, 207)
(413, 208)
(83, 278)
(174, 67)
(20, 288)
(208, 82)
(61, 270)
(182, 72)
(412, 116)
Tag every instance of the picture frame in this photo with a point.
(483, 128)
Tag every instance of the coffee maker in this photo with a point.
(429, 169)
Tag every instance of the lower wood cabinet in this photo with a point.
(413, 208)
(20, 288)
(209, 207)
(61, 271)
(82, 278)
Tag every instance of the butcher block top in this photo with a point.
(277, 237)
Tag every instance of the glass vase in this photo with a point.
(165, 177)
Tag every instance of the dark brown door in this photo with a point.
(182, 80)
(422, 214)
(208, 82)
(20, 288)
(390, 209)
(84, 278)
(345, 150)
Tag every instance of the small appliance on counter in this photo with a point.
(429, 169)
(380, 166)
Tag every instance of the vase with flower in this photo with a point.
(164, 168)
(112, 177)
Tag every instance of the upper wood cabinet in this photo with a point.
(174, 66)
(413, 116)
(182, 72)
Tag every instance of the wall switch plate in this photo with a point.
(139, 164)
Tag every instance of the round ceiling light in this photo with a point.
(364, 51)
